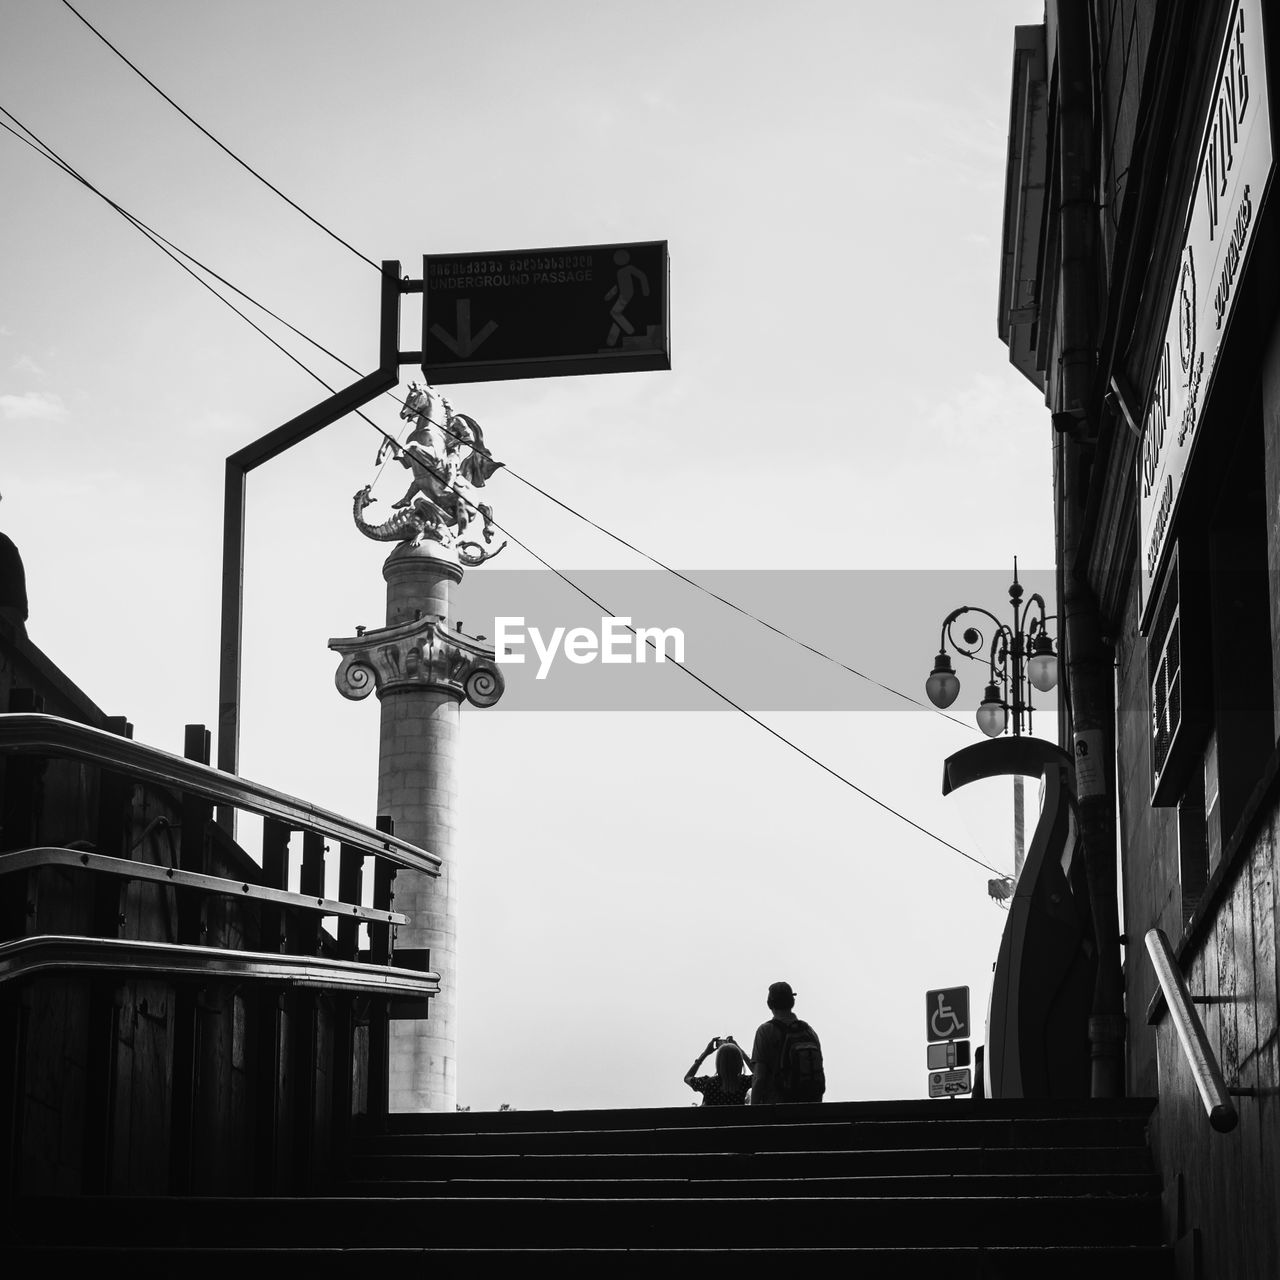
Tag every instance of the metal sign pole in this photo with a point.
(550, 317)
(240, 463)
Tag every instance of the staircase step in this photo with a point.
(1025, 1161)
(949, 1190)
(1067, 1262)
(1133, 1111)
(781, 1135)
(534, 1221)
(894, 1187)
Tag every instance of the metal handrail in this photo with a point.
(25, 957)
(1195, 1044)
(53, 856)
(52, 735)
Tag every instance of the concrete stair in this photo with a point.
(952, 1190)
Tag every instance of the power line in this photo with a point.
(242, 163)
(698, 586)
(53, 156)
(42, 148)
(737, 608)
(724, 697)
(48, 153)
(746, 613)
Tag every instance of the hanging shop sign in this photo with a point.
(1235, 162)
(536, 313)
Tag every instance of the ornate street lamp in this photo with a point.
(1020, 657)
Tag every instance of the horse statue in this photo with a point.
(446, 453)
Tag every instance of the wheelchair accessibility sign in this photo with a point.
(947, 1014)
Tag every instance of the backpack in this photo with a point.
(800, 1074)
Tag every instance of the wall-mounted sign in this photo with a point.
(1235, 163)
(1091, 778)
(539, 313)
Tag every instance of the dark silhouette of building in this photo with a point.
(1139, 286)
(13, 584)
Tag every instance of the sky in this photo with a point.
(841, 447)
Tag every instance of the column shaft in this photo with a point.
(417, 787)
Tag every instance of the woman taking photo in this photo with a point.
(729, 1086)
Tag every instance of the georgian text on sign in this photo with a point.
(1234, 165)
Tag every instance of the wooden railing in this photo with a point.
(29, 859)
(172, 995)
(25, 957)
(40, 735)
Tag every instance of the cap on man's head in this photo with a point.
(781, 995)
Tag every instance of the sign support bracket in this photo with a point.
(269, 446)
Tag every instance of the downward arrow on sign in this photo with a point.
(464, 343)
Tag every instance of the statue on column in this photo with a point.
(423, 666)
(447, 456)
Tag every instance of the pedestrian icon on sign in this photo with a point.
(623, 291)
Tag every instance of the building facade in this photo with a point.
(1140, 294)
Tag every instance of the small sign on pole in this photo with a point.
(950, 1084)
(947, 1014)
(955, 1053)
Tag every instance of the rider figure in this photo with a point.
(424, 452)
(448, 460)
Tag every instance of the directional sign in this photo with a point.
(947, 1014)
(545, 312)
(947, 1084)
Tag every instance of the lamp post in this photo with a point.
(1020, 657)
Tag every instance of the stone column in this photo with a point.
(421, 671)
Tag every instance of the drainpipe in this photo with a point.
(1088, 665)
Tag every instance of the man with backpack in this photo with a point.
(786, 1057)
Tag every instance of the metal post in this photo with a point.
(184, 1120)
(311, 1105)
(311, 882)
(239, 464)
(350, 889)
(379, 1011)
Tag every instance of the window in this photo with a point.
(1209, 662)
(1178, 703)
(1243, 733)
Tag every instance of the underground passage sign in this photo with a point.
(545, 312)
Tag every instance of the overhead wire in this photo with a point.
(737, 608)
(244, 164)
(666, 568)
(736, 706)
(42, 148)
(172, 251)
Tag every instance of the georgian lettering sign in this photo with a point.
(1235, 163)
(545, 312)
